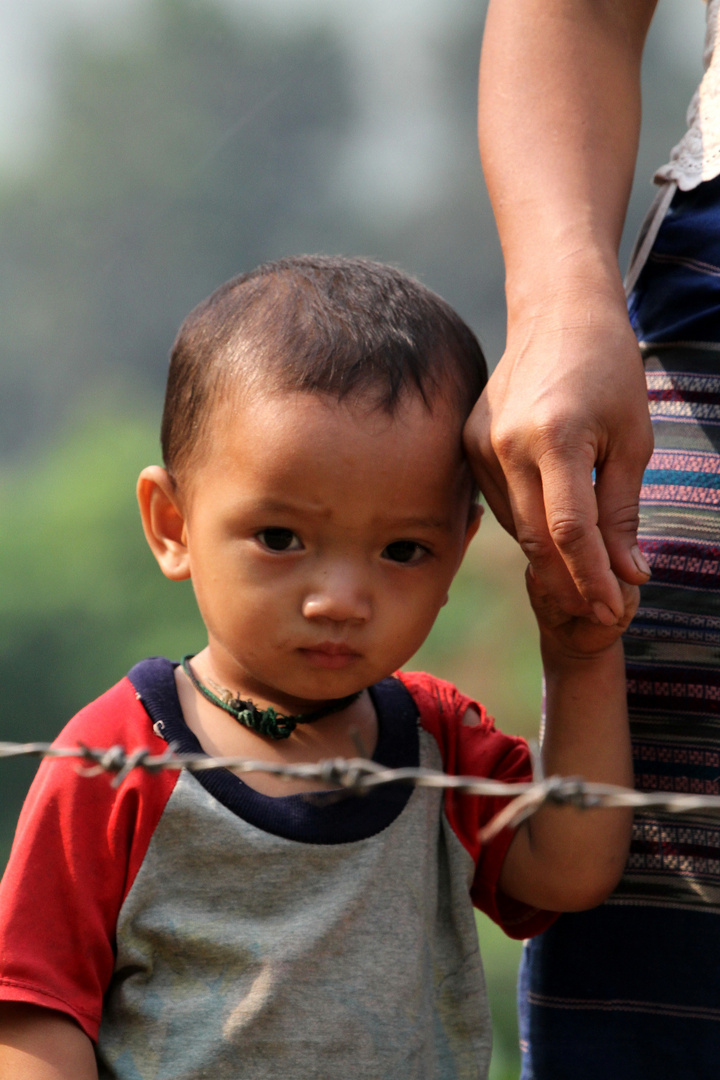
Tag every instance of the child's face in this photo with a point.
(321, 541)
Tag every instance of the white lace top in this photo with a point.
(697, 156)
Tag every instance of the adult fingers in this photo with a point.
(572, 523)
(531, 514)
(520, 503)
(516, 498)
(618, 492)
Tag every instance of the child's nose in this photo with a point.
(339, 595)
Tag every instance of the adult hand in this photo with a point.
(559, 122)
(567, 397)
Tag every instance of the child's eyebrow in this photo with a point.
(280, 506)
(420, 523)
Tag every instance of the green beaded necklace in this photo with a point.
(264, 721)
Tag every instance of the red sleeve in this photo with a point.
(78, 847)
(478, 750)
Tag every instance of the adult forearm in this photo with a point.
(559, 122)
(559, 119)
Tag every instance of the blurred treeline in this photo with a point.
(210, 139)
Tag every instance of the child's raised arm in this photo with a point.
(41, 1044)
(563, 858)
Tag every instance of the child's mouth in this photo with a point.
(330, 655)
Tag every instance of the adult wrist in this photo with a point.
(582, 306)
(577, 273)
(596, 291)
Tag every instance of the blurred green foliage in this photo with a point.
(175, 161)
(81, 598)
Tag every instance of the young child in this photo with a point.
(203, 925)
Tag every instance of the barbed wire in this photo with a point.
(358, 776)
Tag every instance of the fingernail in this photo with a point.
(603, 614)
(640, 561)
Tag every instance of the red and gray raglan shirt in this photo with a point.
(194, 927)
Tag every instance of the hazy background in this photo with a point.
(149, 150)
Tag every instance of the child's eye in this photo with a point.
(404, 551)
(279, 539)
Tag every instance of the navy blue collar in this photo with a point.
(318, 819)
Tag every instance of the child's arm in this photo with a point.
(41, 1044)
(562, 858)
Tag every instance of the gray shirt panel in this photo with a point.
(246, 955)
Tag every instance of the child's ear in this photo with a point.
(163, 522)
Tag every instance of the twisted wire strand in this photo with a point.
(357, 776)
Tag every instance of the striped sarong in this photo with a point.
(631, 990)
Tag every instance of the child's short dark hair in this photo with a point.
(347, 327)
